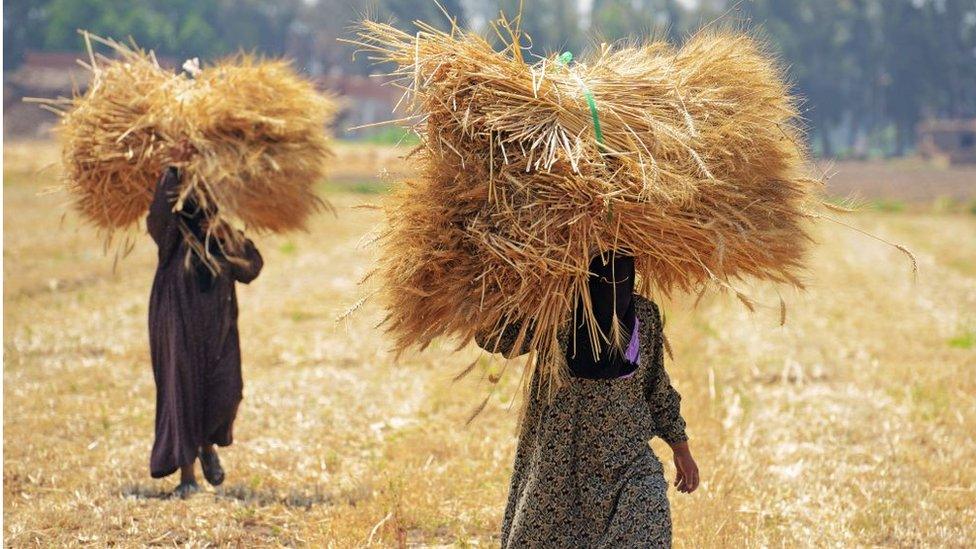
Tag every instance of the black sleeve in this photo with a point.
(161, 221)
(246, 268)
(503, 341)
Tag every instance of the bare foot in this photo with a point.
(186, 489)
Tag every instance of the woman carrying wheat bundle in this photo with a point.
(553, 198)
(584, 474)
(240, 142)
(193, 337)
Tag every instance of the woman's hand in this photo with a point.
(686, 479)
(182, 152)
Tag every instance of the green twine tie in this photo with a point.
(565, 59)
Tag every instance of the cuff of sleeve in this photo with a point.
(673, 436)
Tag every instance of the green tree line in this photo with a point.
(868, 70)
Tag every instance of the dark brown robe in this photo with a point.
(193, 336)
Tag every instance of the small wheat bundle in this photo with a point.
(690, 159)
(249, 134)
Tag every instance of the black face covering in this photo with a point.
(611, 285)
(194, 218)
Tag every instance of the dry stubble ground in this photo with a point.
(852, 425)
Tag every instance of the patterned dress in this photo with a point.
(584, 473)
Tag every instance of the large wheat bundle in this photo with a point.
(249, 134)
(113, 145)
(690, 159)
(258, 132)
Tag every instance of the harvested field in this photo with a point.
(908, 181)
(850, 426)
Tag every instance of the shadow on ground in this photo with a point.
(304, 499)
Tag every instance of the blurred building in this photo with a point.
(362, 100)
(953, 140)
(48, 75)
(42, 74)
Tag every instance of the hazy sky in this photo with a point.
(476, 19)
(585, 4)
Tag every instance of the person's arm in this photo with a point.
(246, 268)
(503, 342)
(665, 405)
(663, 399)
(161, 222)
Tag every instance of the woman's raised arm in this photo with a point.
(161, 222)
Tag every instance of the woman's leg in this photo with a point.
(188, 481)
(188, 473)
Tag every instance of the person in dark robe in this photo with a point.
(193, 335)
(584, 474)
